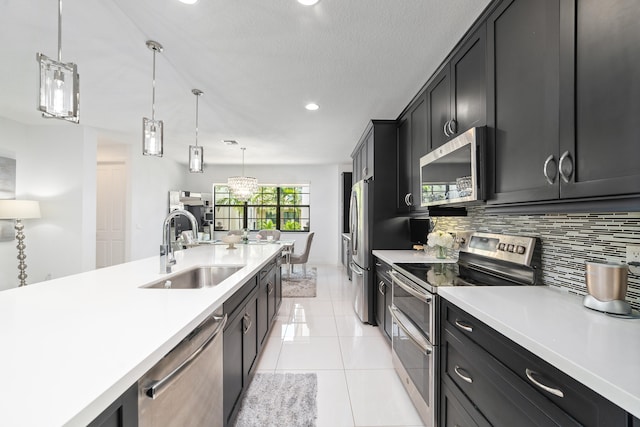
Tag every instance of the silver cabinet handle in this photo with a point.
(409, 199)
(452, 127)
(381, 289)
(458, 370)
(444, 129)
(464, 326)
(552, 390)
(550, 179)
(247, 323)
(378, 264)
(565, 166)
(424, 297)
(157, 387)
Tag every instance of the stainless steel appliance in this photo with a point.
(484, 260)
(360, 248)
(454, 173)
(606, 287)
(185, 387)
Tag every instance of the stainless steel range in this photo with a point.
(485, 259)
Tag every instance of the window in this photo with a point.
(284, 208)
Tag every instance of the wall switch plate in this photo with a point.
(633, 258)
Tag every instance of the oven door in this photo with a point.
(414, 359)
(416, 303)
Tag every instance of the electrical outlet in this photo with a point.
(633, 258)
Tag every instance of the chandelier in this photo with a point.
(242, 187)
(59, 96)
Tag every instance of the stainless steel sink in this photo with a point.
(194, 278)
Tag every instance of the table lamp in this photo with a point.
(19, 210)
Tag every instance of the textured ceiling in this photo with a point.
(258, 63)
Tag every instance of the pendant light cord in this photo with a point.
(197, 97)
(59, 30)
(153, 88)
(243, 148)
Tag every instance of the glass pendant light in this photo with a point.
(152, 130)
(242, 187)
(59, 95)
(196, 154)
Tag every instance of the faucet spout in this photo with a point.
(167, 258)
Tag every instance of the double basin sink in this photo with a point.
(195, 278)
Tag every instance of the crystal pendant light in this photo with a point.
(242, 187)
(152, 134)
(196, 154)
(59, 95)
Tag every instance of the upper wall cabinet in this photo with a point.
(563, 100)
(523, 100)
(456, 97)
(600, 64)
(412, 144)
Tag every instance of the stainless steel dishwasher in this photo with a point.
(185, 387)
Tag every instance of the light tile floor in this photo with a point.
(357, 385)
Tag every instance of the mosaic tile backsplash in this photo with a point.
(568, 240)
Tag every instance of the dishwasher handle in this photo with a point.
(157, 387)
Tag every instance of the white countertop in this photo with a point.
(71, 346)
(409, 256)
(600, 351)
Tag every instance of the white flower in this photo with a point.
(440, 238)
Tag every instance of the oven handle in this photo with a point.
(424, 297)
(419, 342)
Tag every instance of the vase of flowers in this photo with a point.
(441, 241)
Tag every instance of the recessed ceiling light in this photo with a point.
(308, 2)
(188, 1)
(312, 106)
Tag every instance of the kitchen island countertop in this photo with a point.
(72, 345)
(600, 351)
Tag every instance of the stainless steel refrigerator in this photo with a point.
(360, 248)
(374, 224)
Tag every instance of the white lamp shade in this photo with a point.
(19, 209)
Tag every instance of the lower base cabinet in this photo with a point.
(383, 296)
(251, 311)
(123, 412)
(490, 380)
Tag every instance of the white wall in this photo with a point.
(324, 184)
(55, 164)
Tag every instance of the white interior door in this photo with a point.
(110, 222)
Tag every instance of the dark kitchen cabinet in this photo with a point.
(456, 410)
(456, 96)
(523, 99)
(266, 301)
(383, 296)
(508, 385)
(363, 158)
(563, 101)
(600, 99)
(123, 412)
(412, 144)
(240, 345)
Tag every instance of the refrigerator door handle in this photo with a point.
(353, 210)
(357, 270)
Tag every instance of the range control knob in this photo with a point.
(510, 248)
(520, 249)
(501, 246)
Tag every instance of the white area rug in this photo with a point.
(280, 400)
(299, 285)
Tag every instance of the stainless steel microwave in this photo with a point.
(454, 173)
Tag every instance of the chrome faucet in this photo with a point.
(167, 258)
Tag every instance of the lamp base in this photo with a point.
(22, 267)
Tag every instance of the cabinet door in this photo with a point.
(262, 322)
(600, 139)
(250, 337)
(419, 147)
(469, 83)
(439, 102)
(272, 297)
(404, 164)
(123, 412)
(523, 100)
(380, 300)
(233, 377)
(368, 158)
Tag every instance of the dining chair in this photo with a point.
(266, 233)
(304, 256)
